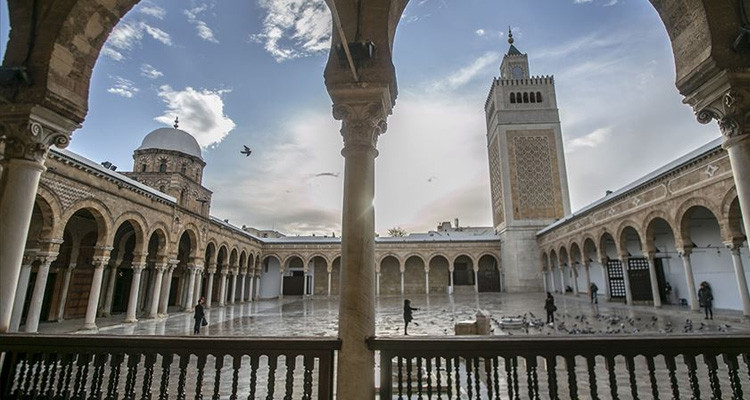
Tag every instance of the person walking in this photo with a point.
(593, 291)
(407, 315)
(550, 307)
(706, 299)
(199, 316)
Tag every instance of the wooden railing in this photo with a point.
(140, 367)
(685, 367)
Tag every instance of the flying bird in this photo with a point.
(332, 174)
(246, 151)
(432, 178)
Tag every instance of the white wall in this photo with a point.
(270, 280)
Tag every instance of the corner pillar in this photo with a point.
(739, 274)
(689, 277)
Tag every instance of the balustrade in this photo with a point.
(114, 367)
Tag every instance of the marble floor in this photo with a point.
(437, 314)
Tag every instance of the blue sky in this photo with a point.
(250, 72)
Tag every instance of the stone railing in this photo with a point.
(141, 367)
(698, 367)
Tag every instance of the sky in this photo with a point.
(250, 72)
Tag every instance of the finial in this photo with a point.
(510, 36)
(176, 122)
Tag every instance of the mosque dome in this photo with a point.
(172, 139)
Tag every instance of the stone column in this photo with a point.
(402, 281)
(197, 290)
(233, 292)
(544, 281)
(329, 282)
(605, 272)
(281, 283)
(143, 290)
(210, 284)
(166, 287)
(110, 294)
(476, 279)
(654, 282)
(450, 278)
(23, 286)
(363, 120)
(27, 133)
(99, 262)
(223, 287)
(154, 309)
(37, 297)
(135, 286)
(739, 273)
(243, 274)
(626, 277)
(192, 270)
(687, 265)
(251, 296)
(587, 271)
(562, 279)
(574, 276)
(64, 291)
(427, 280)
(377, 283)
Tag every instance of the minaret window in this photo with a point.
(538, 97)
(526, 97)
(532, 98)
(143, 167)
(183, 169)
(512, 98)
(163, 167)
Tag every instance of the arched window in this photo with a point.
(161, 188)
(183, 169)
(518, 97)
(532, 98)
(512, 98)
(526, 97)
(143, 167)
(538, 97)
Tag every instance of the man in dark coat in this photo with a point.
(199, 316)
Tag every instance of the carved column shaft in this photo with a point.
(100, 261)
(739, 274)
(689, 278)
(23, 285)
(37, 297)
(135, 286)
(26, 133)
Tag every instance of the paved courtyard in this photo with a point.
(437, 314)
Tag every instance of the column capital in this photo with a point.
(29, 256)
(734, 245)
(363, 111)
(99, 262)
(28, 131)
(726, 99)
(46, 258)
(161, 267)
(138, 266)
(685, 251)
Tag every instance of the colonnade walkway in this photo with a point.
(318, 316)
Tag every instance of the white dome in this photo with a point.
(172, 139)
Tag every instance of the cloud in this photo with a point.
(204, 31)
(150, 72)
(607, 3)
(294, 28)
(201, 113)
(152, 10)
(127, 35)
(123, 87)
(591, 140)
(467, 73)
(480, 32)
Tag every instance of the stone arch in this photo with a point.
(100, 212)
(607, 251)
(139, 224)
(473, 260)
(437, 254)
(620, 231)
(545, 261)
(682, 213)
(414, 267)
(159, 226)
(44, 218)
(731, 216)
(194, 240)
(290, 256)
(390, 254)
(195, 236)
(233, 258)
(562, 256)
(271, 255)
(390, 267)
(589, 246)
(318, 254)
(159, 247)
(553, 260)
(489, 276)
(243, 258)
(575, 254)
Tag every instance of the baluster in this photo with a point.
(496, 376)
(272, 359)
(476, 376)
(291, 364)
(591, 364)
(218, 365)
(133, 360)
(746, 359)
(713, 377)
(184, 360)
(82, 375)
(254, 360)
(488, 374)
(400, 378)
(551, 376)
(652, 377)
(532, 378)
(514, 368)
(36, 364)
(201, 364)
(692, 375)
(408, 378)
(8, 374)
(630, 365)
(429, 377)
(114, 376)
(439, 381)
(309, 364)
(509, 377)
(671, 367)
(236, 364)
(419, 378)
(610, 365)
(449, 376)
(50, 392)
(24, 375)
(44, 366)
(469, 389)
(166, 364)
(148, 375)
(457, 371)
(64, 389)
(100, 360)
(734, 377)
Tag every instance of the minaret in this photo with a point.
(528, 180)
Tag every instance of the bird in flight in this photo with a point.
(246, 151)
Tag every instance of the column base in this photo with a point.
(130, 320)
(90, 327)
(163, 315)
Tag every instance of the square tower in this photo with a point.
(528, 180)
